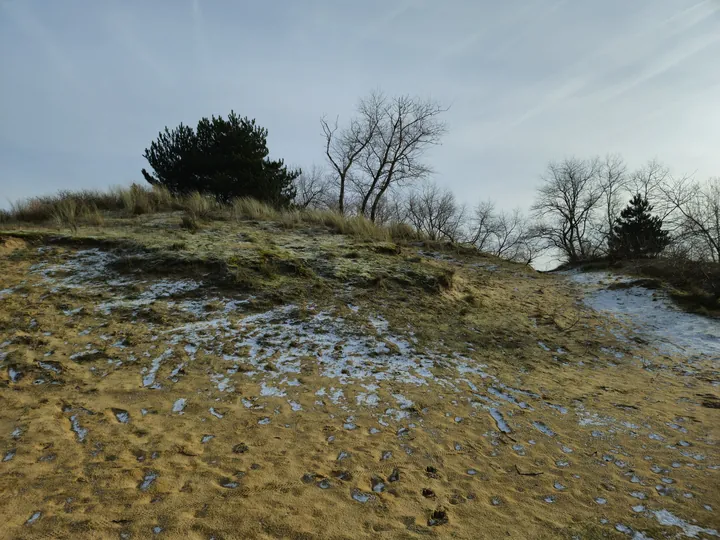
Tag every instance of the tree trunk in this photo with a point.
(341, 200)
(376, 202)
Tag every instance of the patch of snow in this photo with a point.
(179, 405)
(652, 313)
(664, 517)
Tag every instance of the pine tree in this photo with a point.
(224, 158)
(637, 233)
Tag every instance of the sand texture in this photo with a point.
(336, 389)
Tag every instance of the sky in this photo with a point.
(85, 86)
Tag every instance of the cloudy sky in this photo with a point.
(86, 85)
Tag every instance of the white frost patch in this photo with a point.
(336, 395)
(163, 288)
(268, 391)
(295, 406)
(149, 378)
(5, 292)
(80, 355)
(32, 519)
(179, 405)
(86, 265)
(222, 383)
(652, 312)
(80, 432)
(665, 517)
(501, 395)
(369, 400)
(499, 420)
(341, 351)
(402, 401)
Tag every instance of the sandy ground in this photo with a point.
(134, 406)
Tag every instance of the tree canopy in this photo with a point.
(226, 158)
(637, 233)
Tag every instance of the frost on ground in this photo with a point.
(219, 366)
(651, 313)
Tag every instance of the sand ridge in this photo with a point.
(138, 405)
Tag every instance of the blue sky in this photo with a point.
(86, 85)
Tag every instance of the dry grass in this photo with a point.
(403, 232)
(189, 222)
(200, 207)
(357, 226)
(68, 209)
(65, 213)
(137, 200)
(91, 215)
(133, 200)
(246, 208)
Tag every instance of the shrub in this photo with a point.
(163, 199)
(37, 209)
(224, 158)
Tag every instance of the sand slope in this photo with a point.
(136, 404)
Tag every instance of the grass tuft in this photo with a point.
(247, 208)
(65, 213)
(200, 207)
(190, 223)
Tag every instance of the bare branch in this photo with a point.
(434, 212)
(566, 206)
(313, 189)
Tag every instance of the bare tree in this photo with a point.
(344, 147)
(566, 206)
(403, 129)
(612, 181)
(313, 189)
(698, 207)
(508, 235)
(650, 182)
(435, 212)
(482, 226)
(392, 208)
(530, 246)
(509, 232)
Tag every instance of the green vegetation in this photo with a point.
(637, 233)
(222, 158)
